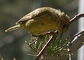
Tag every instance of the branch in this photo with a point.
(76, 17)
(46, 45)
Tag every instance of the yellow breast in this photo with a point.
(41, 25)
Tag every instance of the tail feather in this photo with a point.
(12, 28)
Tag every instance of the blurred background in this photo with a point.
(12, 44)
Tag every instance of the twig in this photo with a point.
(72, 20)
(76, 17)
(45, 46)
(79, 33)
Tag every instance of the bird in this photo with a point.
(42, 20)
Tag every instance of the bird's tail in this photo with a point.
(12, 28)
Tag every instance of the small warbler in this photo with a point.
(42, 20)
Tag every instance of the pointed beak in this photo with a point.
(61, 35)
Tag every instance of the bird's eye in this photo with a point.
(64, 26)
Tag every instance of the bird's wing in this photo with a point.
(34, 14)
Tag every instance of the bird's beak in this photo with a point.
(61, 35)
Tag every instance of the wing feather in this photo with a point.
(34, 14)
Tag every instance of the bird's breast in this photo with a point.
(41, 25)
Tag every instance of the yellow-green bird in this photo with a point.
(42, 20)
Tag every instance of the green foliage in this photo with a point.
(55, 47)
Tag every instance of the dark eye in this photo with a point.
(64, 26)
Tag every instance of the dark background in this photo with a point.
(12, 44)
